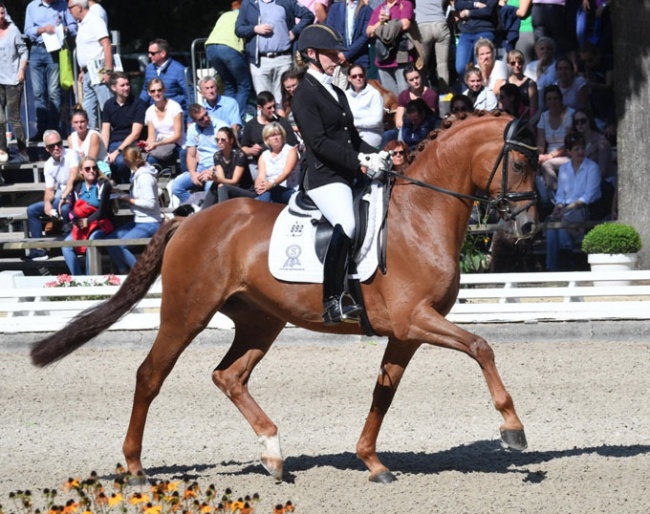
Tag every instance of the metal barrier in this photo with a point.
(199, 62)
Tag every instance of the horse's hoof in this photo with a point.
(385, 477)
(138, 480)
(273, 466)
(513, 440)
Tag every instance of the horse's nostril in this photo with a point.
(527, 228)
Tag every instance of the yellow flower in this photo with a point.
(138, 498)
(171, 486)
(115, 499)
(71, 483)
(189, 493)
(70, 507)
(153, 509)
(205, 509)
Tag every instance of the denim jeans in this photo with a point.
(10, 97)
(44, 73)
(465, 50)
(182, 185)
(94, 97)
(277, 194)
(36, 210)
(70, 255)
(121, 255)
(233, 71)
(120, 172)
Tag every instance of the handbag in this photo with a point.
(66, 75)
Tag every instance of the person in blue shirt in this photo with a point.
(170, 71)
(218, 106)
(419, 120)
(42, 17)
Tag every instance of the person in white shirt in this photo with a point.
(93, 43)
(482, 97)
(367, 106)
(495, 73)
(95, 7)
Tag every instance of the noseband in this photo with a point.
(503, 202)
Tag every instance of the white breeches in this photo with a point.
(335, 202)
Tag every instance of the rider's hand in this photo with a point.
(376, 163)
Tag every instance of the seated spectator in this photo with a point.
(143, 200)
(575, 91)
(275, 165)
(252, 141)
(367, 106)
(510, 100)
(201, 146)
(419, 121)
(552, 128)
(219, 107)
(542, 71)
(578, 187)
(399, 154)
(122, 124)
(527, 86)
(290, 80)
(350, 19)
(224, 51)
(388, 27)
(91, 212)
(56, 170)
(494, 72)
(480, 96)
(416, 89)
(165, 133)
(600, 79)
(476, 20)
(85, 141)
(231, 176)
(167, 69)
(459, 104)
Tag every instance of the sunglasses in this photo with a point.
(154, 53)
(222, 140)
(357, 76)
(90, 168)
(52, 146)
(399, 152)
(514, 63)
(159, 90)
(580, 121)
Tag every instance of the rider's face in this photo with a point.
(329, 59)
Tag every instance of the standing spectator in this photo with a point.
(201, 146)
(43, 16)
(123, 120)
(219, 107)
(232, 178)
(164, 120)
(143, 200)
(90, 208)
(553, 126)
(542, 71)
(478, 20)
(170, 71)
(269, 29)
(276, 163)
(350, 19)
(526, 41)
(436, 39)
(480, 96)
(56, 171)
(494, 72)
(389, 25)
(13, 61)
(578, 187)
(319, 9)
(252, 141)
(93, 43)
(418, 122)
(527, 86)
(556, 19)
(95, 7)
(224, 52)
(575, 90)
(367, 106)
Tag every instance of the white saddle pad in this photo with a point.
(292, 252)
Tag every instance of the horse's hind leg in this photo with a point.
(255, 332)
(394, 362)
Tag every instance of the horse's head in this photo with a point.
(511, 184)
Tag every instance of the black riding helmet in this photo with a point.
(320, 37)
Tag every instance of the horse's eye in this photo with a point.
(518, 166)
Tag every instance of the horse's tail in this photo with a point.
(95, 320)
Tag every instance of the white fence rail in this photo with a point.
(26, 305)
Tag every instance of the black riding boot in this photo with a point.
(334, 274)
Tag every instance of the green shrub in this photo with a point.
(612, 238)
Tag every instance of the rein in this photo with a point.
(502, 203)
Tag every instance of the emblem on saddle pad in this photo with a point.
(300, 238)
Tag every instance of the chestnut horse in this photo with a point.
(215, 260)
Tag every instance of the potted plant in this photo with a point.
(612, 247)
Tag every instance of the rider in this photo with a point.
(335, 158)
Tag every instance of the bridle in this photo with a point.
(503, 203)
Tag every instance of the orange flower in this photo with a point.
(115, 499)
(189, 493)
(205, 508)
(138, 498)
(153, 509)
(289, 507)
(279, 509)
(70, 507)
(71, 483)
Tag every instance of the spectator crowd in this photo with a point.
(550, 60)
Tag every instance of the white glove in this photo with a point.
(54, 213)
(376, 163)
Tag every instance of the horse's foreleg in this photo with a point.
(434, 329)
(254, 335)
(395, 359)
